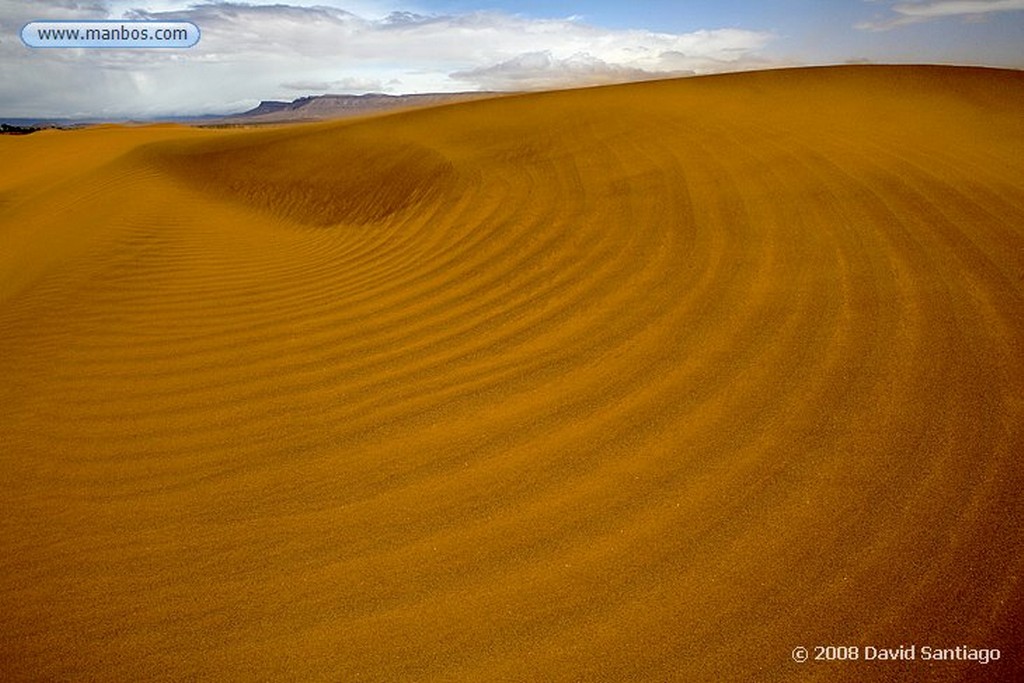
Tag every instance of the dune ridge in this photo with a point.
(643, 382)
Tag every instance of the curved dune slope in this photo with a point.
(647, 382)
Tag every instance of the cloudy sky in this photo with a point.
(258, 50)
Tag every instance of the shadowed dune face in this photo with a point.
(650, 382)
(312, 178)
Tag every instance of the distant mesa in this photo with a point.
(269, 107)
(304, 109)
(323, 107)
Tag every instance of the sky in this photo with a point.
(285, 49)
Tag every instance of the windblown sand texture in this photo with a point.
(640, 383)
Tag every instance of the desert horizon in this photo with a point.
(328, 106)
(656, 381)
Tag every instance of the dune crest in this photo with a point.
(644, 382)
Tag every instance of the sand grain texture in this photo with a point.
(649, 382)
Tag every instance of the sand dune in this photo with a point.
(647, 382)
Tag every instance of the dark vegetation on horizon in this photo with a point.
(10, 129)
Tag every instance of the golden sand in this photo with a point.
(647, 382)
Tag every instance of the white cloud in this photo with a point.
(340, 85)
(700, 52)
(928, 10)
(370, 9)
(542, 70)
(252, 52)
